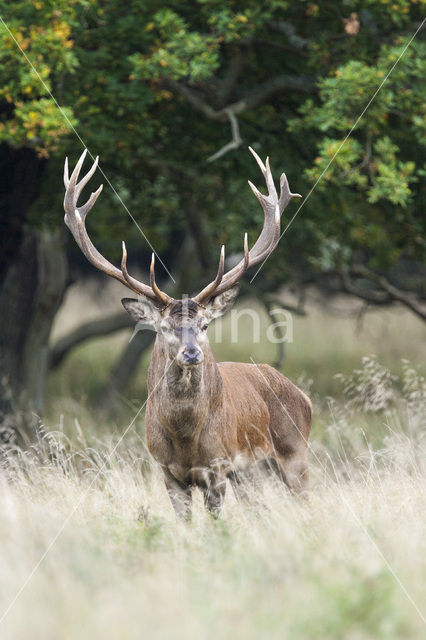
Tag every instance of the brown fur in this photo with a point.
(203, 421)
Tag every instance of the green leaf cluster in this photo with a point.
(375, 104)
(36, 55)
(176, 52)
(147, 85)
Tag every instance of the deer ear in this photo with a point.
(222, 303)
(142, 310)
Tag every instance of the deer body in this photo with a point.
(205, 421)
(208, 422)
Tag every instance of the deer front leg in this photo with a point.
(180, 495)
(214, 494)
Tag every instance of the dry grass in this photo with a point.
(271, 569)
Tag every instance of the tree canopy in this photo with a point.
(171, 94)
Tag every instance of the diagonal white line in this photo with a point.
(77, 505)
(64, 115)
(345, 139)
(347, 504)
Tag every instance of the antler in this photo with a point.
(273, 208)
(75, 220)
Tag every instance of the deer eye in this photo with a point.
(165, 328)
(204, 327)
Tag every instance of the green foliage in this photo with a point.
(177, 52)
(37, 124)
(39, 32)
(393, 177)
(146, 85)
(370, 159)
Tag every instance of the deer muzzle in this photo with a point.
(190, 355)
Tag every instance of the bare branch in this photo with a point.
(259, 94)
(235, 142)
(271, 305)
(391, 290)
(232, 74)
(87, 331)
(374, 297)
(280, 356)
(288, 30)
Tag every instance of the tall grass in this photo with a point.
(349, 564)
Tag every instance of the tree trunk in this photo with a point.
(29, 298)
(124, 369)
(32, 282)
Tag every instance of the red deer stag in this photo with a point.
(203, 418)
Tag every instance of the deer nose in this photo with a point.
(192, 355)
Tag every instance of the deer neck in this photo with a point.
(182, 399)
(185, 382)
(200, 385)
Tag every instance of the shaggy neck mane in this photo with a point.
(200, 382)
(184, 396)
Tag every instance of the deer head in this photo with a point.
(181, 324)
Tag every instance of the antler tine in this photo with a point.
(270, 181)
(269, 237)
(239, 272)
(285, 194)
(221, 267)
(129, 280)
(232, 277)
(258, 160)
(76, 172)
(219, 285)
(160, 294)
(70, 201)
(268, 204)
(85, 179)
(246, 251)
(207, 291)
(85, 208)
(266, 170)
(66, 174)
(137, 286)
(74, 188)
(124, 260)
(75, 221)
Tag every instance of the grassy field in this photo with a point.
(115, 564)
